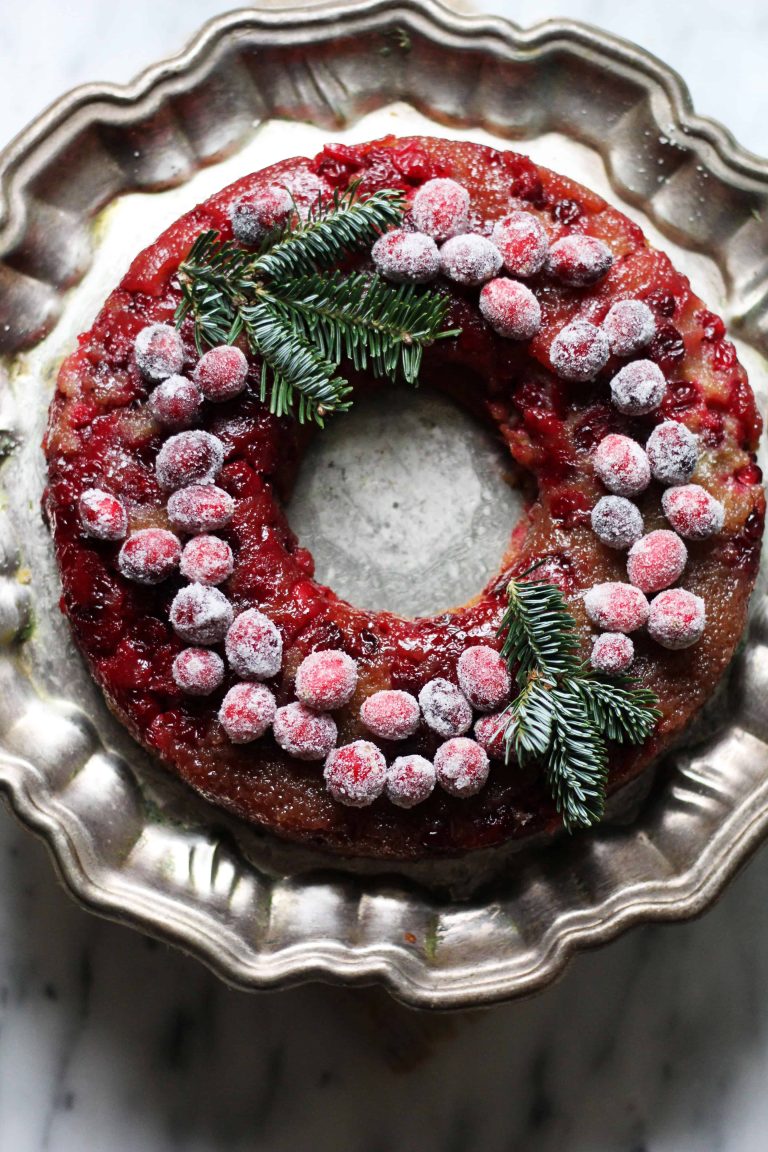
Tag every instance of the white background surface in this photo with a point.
(113, 1044)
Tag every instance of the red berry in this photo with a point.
(677, 618)
(616, 607)
(673, 452)
(461, 766)
(511, 309)
(149, 556)
(256, 215)
(523, 242)
(406, 257)
(469, 259)
(246, 712)
(176, 402)
(303, 733)
(189, 458)
(616, 522)
(446, 710)
(200, 508)
(207, 560)
(440, 208)
(220, 374)
(390, 714)
(326, 680)
(579, 351)
(254, 646)
(356, 773)
(200, 615)
(692, 511)
(159, 352)
(483, 677)
(198, 671)
(612, 653)
(629, 325)
(622, 465)
(638, 388)
(579, 260)
(490, 732)
(410, 780)
(102, 515)
(656, 560)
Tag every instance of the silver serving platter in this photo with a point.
(99, 175)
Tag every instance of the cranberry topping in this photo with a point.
(149, 556)
(326, 680)
(198, 671)
(616, 607)
(410, 780)
(200, 508)
(667, 348)
(304, 733)
(356, 773)
(200, 615)
(484, 677)
(159, 352)
(677, 618)
(673, 451)
(176, 402)
(221, 373)
(523, 242)
(657, 560)
(622, 465)
(102, 515)
(616, 521)
(246, 712)
(391, 714)
(511, 309)
(207, 560)
(189, 458)
(461, 766)
(254, 217)
(445, 709)
(469, 259)
(579, 351)
(612, 653)
(638, 388)
(406, 257)
(440, 208)
(629, 325)
(712, 326)
(579, 261)
(254, 646)
(566, 211)
(489, 733)
(692, 511)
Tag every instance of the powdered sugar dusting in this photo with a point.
(198, 671)
(612, 653)
(207, 560)
(326, 680)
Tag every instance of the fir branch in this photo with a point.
(576, 765)
(624, 712)
(539, 632)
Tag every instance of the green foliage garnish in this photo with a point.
(564, 713)
(302, 321)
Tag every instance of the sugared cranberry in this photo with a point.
(440, 208)
(667, 348)
(406, 257)
(579, 261)
(629, 325)
(356, 773)
(692, 511)
(612, 653)
(220, 373)
(410, 780)
(200, 508)
(677, 618)
(579, 351)
(391, 714)
(102, 515)
(255, 216)
(461, 766)
(207, 560)
(201, 615)
(254, 646)
(523, 242)
(326, 680)
(246, 712)
(483, 677)
(470, 259)
(303, 733)
(616, 607)
(445, 708)
(673, 451)
(638, 388)
(189, 458)
(617, 522)
(149, 556)
(176, 402)
(490, 732)
(511, 309)
(656, 560)
(622, 465)
(198, 671)
(159, 352)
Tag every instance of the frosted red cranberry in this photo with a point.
(198, 671)
(469, 259)
(256, 215)
(616, 607)
(410, 780)
(523, 242)
(176, 402)
(445, 708)
(629, 325)
(656, 560)
(673, 451)
(391, 714)
(149, 556)
(692, 511)
(616, 521)
(207, 560)
(677, 618)
(638, 388)
(356, 773)
(303, 733)
(461, 766)
(326, 680)
(579, 261)
(246, 712)
(490, 734)
(200, 615)
(440, 208)
(189, 458)
(622, 465)
(159, 352)
(254, 646)
(406, 257)
(102, 515)
(483, 677)
(579, 351)
(612, 653)
(511, 309)
(200, 508)
(220, 373)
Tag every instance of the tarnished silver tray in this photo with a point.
(100, 174)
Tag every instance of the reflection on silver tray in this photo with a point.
(131, 842)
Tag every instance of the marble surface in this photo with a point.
(113, 1043)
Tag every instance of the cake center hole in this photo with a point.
(404, 504)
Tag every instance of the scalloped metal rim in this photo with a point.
(686, 894)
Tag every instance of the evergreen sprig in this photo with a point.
(301, 320)
(563, 713)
